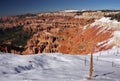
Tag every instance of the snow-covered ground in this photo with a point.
(60, 67)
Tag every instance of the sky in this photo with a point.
(17, 7)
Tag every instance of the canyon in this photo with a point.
(63, 32)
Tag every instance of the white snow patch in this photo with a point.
(70, 11)
(117, 33)
(104, 19)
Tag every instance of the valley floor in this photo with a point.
(60, 67)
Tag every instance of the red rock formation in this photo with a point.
(64, 34)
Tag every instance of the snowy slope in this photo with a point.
(59, 67)
(106, 24)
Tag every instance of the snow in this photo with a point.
(70, 11)
(60, 67)
(104, 19)
(117, 33)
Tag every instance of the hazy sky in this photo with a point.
(14, 7)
